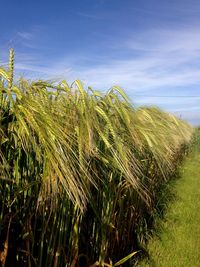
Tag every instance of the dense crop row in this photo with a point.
(79, 171)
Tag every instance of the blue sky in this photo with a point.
(151, 48)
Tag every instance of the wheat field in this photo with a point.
(79, 172)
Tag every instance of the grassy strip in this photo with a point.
(178, 243)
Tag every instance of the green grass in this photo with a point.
(179, 241)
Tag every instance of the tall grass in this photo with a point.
(79, 171)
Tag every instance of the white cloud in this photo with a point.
(165, 58)
(25, 35)
(159, 58)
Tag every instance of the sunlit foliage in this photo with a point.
(79, 171)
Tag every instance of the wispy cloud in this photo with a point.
(89, 15)
(164, 59)
(32, 68)
(25, 35)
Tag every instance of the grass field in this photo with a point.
(179, 241)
